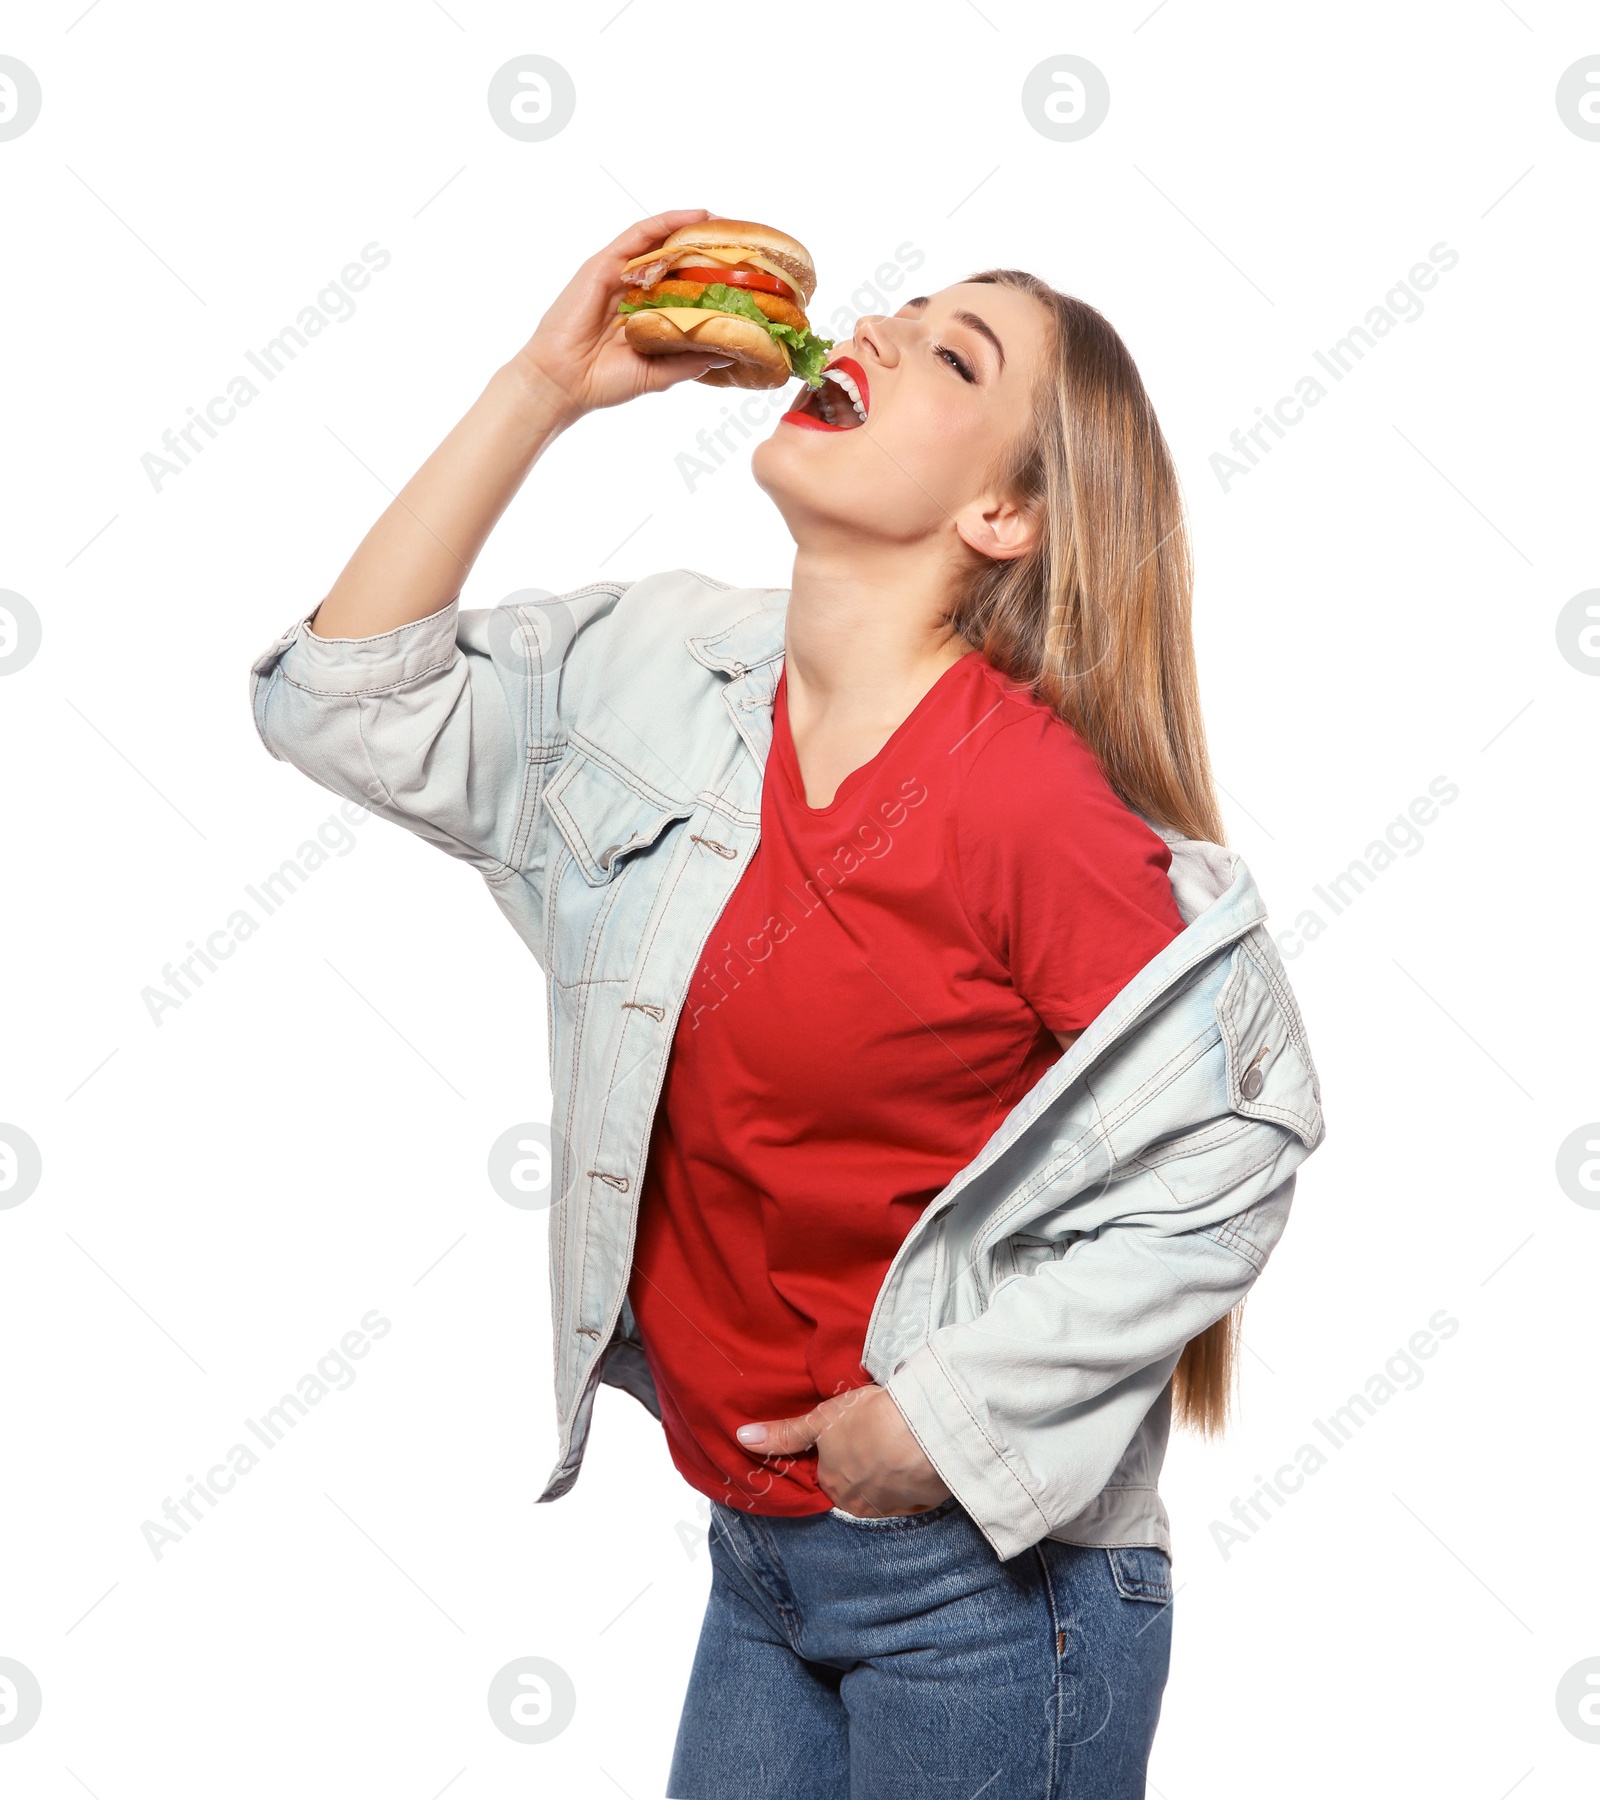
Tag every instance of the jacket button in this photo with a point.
(1250, 1084)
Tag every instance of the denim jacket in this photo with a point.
(598, 758)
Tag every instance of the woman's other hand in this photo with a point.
(868, 1461)
(579, 353)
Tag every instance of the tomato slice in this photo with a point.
(739, 276)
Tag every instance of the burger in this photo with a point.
(730, 286)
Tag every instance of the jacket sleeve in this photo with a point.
(449, 726)
(1026, 1410)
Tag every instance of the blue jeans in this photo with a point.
(900, 1659)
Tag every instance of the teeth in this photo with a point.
(849, 386)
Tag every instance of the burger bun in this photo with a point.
(786, 252)
(757, 359)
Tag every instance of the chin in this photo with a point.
(773, 475)
(798, 458)
(776, 468)
(781, 466)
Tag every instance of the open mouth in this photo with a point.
(839, 404)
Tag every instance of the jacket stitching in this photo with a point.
(646, 945)
(557, 1235)
(486, 862)
(1159, 1079)
(559, 1227)
(646, 790)
(1284, 999)
(1000, 1455)
(552, 886)
(1233, 1234)
(532, 783)
(1240, 1245)
(590, 953)
(941, 1261)
(724, 808)
(1225, 1003)
(260, 697)
(1209, 1137)
(1236, 1178)
(1097, 1133)
(535, 772)
(580, 1017)
(709, 639)
(544, 757)
(1255, 936)
(573, 1291)
(387, 687)
(593, 942)
(366, 751)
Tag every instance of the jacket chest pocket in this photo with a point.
(1023, 1252)
(616, 835)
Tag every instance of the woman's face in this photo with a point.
(947, 385)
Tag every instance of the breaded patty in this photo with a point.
(784, 312)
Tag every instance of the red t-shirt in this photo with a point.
(878, 994)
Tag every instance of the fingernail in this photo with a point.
(752, 1434)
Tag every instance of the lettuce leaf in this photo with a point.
(807, 351)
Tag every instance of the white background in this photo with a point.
(226, 1193)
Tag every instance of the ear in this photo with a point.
(999, 526)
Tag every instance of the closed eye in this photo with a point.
(956, 361)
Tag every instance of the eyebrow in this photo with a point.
(971, 319)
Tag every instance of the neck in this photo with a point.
(865, 634)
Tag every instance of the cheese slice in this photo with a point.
(701, 255)
(686, 318)
(731, 254)
(726, 253)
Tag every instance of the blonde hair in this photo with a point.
(1096, 619)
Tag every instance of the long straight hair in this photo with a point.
(1096, 619)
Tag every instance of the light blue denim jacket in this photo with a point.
(598, 758)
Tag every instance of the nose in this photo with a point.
(871, 333)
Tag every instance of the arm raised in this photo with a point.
(416, 557)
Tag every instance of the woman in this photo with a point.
(927, 1093)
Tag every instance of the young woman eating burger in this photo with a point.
(927, 1090)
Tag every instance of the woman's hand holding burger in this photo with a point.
(579, 359)
(415, 558)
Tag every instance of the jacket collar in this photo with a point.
(755, 637)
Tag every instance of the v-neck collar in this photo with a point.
(789, 758)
